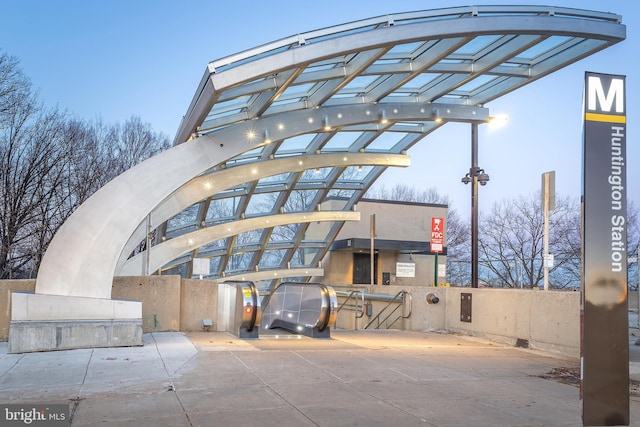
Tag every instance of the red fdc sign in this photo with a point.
(437, 234)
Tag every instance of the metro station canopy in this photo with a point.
(284, 139)
(464, 56)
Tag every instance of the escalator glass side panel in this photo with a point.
(302, 308)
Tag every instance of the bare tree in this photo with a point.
(32, 166)
(15, 88)
(91, 163)
(50, 164)
(511, 243)
(135, 142)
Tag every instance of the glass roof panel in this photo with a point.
(474, 84)
(225, 108)
(341, 141)
(405, 48)
(213, 263)
(386, 141)
(297, 143)
(541, 48)
(272, 258)
(474, 46)
(304, 257)
(248, 238)
(455, 61)
(360, 83)
(179, 270)
(213, 246)
(300, 200)
(222, 209)
(419, 81)
(255, 153)
(184, 219)
(315, 175)
(344, 95)
(274, 179)
(296, 91)
(284, 233)
(238, 262)
(270, 187)
(339, 193)
(243, 159)
(319, 67)
(261, 204)
(355, 174)
(285, 101)
(388, 61)
(396, 94)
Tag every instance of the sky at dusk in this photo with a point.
(111, 60)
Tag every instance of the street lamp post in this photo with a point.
(475, 176)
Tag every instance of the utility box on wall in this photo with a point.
(386, 278)
(465, 307)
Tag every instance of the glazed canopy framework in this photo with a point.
(281, 141)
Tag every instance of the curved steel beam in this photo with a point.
(403, 18)
(256, 276)
(205, 186)
(231, 75)
(166, 251)
(82, 257)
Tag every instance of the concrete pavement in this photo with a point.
(357, 378)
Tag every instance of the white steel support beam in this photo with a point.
(173, 248)
(256, 276)
(204, 186)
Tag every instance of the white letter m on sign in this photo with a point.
(596, 93)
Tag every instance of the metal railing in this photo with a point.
(358, 311)
(401, 298)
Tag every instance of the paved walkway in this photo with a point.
(363, 378)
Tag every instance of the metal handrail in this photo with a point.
(347, 297)
(358, 314)
(328, 311)
(394, 300)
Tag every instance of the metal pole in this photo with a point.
(9, 262)
(435, 271)
(373, 236)
(474, 208)
(545, 243)
(147, 252)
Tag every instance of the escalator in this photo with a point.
(299, 308)
(239, 309)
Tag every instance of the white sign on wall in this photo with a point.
(405, 269)
(201, 266)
